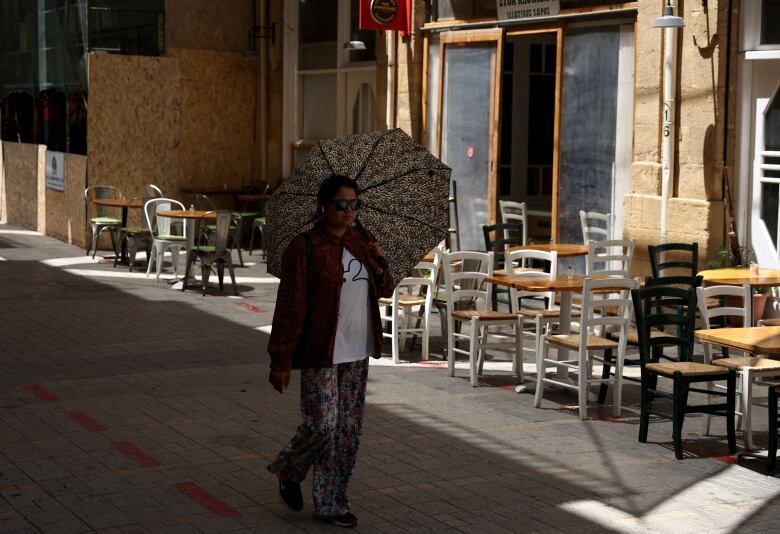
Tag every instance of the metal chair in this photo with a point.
(163, 238)
(204, 203)
(218, 254)
(595, 226)
(153, 191)
(102, 221)
(135, 237)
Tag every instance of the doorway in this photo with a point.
(527, 156)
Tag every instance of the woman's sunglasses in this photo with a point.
(341, 204)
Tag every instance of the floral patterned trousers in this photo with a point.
(332, 402)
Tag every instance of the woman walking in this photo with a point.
(326, 324)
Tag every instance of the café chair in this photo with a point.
(135, 238)
(103, 220)
(652, 305)
(499, 237)
(216, 255)
(601, 310)
(771, 458)
(515, 213)
(595, 226)
(163, 238)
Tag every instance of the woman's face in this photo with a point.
(340, 218)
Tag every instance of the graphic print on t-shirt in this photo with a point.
(353, 339)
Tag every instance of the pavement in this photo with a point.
(126, 406)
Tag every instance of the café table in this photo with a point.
(564, 250)
(254, 197)
(739, 276)
(125, 204)
(564, 285)
(191, 218)
(756, 341)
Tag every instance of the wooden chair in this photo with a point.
(515, 213)
(674, 259)
(595, 226)
(468, 283)
(498, 237)
(774, 423)
(651, 309)
(600, 310)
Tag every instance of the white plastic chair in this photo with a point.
(467, 283)
(515, 212)
(595, 226)
(750, 367)
(600, 311)
(412, 292)
(163, 238)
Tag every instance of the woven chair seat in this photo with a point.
(404, 300)
(685, 368)
(487, 315)
(761, 364)
(534, 312)
(572, 341)
(632, 337)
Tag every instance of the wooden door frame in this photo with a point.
(558, 30)
(489, 35)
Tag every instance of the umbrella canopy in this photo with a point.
(403, 187)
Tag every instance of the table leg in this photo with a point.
(123, 259)
(565, 328)
(747, 400)
(189, 225)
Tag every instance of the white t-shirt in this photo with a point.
(353, 337)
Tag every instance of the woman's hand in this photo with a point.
(280, 380)
(376, 251)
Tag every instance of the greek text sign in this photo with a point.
(55, 170)
(527, 9)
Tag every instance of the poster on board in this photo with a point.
(55, 170)
(527, 9)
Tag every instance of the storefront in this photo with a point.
(534, 110)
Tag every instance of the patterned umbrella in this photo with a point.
(403, 187)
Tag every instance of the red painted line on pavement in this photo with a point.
(42, 393)
(250, 307)
(726, 459)
(433, 365)
(86, 421)
(214, 505)
(140, 458)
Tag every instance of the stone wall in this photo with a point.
(696, 209)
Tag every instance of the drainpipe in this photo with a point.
(392, 53)
(670, 24)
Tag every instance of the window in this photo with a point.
(770, 22)
(336, 86)
(18, 114)
(134, 27)
(769, 171)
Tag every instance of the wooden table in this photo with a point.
(564, 250)
(125, 204)
(216, 190)
(738, 276)
(254, 197)
(757, 340)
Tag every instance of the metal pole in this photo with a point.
(667, 165)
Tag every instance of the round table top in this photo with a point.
(564, 250)
(119, 202)
(737, 276)
(187, 214)
(254, 197)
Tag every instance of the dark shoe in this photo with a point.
(347, 520)
(290, 493)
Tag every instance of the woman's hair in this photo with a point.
(330, 187)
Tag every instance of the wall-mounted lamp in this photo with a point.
(354, 45)
(669, 20)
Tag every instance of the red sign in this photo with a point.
(385, 15)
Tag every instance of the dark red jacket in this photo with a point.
(307, 302)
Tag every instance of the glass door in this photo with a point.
(467, 132)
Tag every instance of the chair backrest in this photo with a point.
(465, 275)
(606, 306)
(154, 192)
(726, 295)
(610, 257)
(595, 226)
(203, 203)
(161, 226)
(515, 265)
(669, 309)
(671, 259)
(500, 236)
(262, 187)
(515, 212)
(424, 275)
(100, 191)
(453, 232)
(222, 231)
